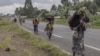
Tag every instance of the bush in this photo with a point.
(95, 21)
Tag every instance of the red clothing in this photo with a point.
(35, 21)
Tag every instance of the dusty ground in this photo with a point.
(18, 45)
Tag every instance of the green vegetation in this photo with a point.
(41, 44)
(28, 10)
(61, 21)
(27, 52)
(95, 21)
(33, 40)
(53, 9)
(6, 42)
(60, 10)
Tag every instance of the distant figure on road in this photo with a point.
(20, 21)
(15, 20)
(23, 20)
(35, 25)
(49, 25)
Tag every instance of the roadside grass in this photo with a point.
(27, 52)
(39, 43)
(5, 43)
(34, 41)
(61, 21)
(95, 21)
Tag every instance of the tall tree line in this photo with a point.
(66, 5)
(28, 10)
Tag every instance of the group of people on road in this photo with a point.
(78, 20)
(18, 19)
(50, 23)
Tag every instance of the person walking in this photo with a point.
(35, 25)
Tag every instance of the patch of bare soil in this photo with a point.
(19, 46)
(3, 33)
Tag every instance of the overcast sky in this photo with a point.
(9, 6)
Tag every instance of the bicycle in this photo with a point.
(78, 41)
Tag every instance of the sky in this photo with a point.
(9, 6)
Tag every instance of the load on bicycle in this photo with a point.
(78, 23)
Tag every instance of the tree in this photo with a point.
(44, 12)
(86, 3)
(65, 3)
(79, 5)
(28, 8)
(97, 2)
(93, 8)
(36, 11)
(75, 2)
(21, 11)
(82, 4)
(53, 9)
(16, 11)
(60, 7)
